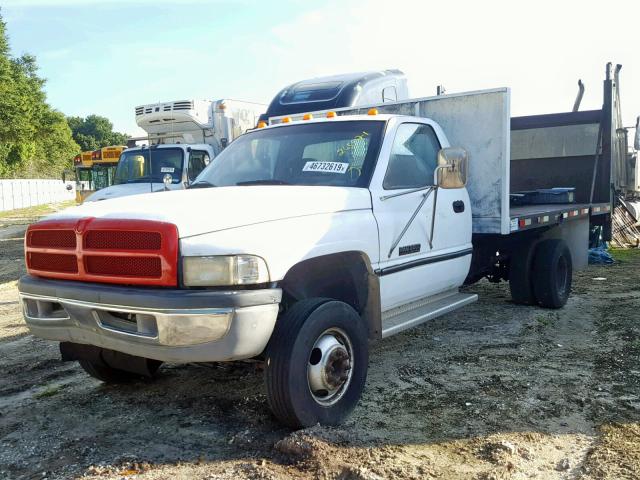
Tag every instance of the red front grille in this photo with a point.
(122, 240)
(133, 252)
(52, 239)
(52, 262)
(147, 267)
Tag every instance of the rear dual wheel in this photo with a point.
(520, 275)
(542, 273)
(552, 273)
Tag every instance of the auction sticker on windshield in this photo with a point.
(326, 167)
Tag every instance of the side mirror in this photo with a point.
(167, 179)
(636, 141)
(69, 187)
(453, 165)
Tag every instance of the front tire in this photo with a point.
(316, 363)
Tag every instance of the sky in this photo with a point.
(107, 56)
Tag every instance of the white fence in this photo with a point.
(27, 193)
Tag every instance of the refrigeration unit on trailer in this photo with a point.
(182, 138)
(335, 231)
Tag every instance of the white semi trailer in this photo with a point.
(182, 138)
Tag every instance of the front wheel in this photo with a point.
(107, 374)
(316, 363)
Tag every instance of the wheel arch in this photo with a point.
(344, 276)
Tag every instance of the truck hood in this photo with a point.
(205, 210)
(126, 189)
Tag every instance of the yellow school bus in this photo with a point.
(95, 170)
(82, 166)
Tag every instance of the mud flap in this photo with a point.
(108, 358)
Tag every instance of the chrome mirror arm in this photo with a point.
(406, 192)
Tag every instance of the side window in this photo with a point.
(413, 157)
(197, 161)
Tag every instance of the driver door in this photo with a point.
(420, 234)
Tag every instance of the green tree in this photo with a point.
(94, 132)
(35, 140)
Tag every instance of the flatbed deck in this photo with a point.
(525, 217)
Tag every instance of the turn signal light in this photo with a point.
(372, 111)
(307, 116)
(262, 124)
(331, 114)
(286, 120)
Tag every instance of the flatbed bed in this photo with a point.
(526, 217)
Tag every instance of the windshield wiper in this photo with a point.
(264, 182)
(143, 179)
(202, 184)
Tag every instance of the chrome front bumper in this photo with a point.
(204, 325)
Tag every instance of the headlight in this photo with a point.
(223, 270)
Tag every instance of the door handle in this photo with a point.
(458, 206)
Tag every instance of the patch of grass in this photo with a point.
(547, 318)
(49, 391)
(35, 211)
(544, 320)
(634, 346)
(625, 254)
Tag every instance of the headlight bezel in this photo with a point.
(223, 271)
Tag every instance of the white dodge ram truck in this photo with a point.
(302, 243)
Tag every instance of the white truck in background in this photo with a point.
(182, 138)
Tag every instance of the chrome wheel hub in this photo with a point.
(330, 367)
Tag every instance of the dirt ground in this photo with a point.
(494, 391)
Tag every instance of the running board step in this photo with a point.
(408, 316)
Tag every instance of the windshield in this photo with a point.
(311, 92)
(328, 153)
(135, 166)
